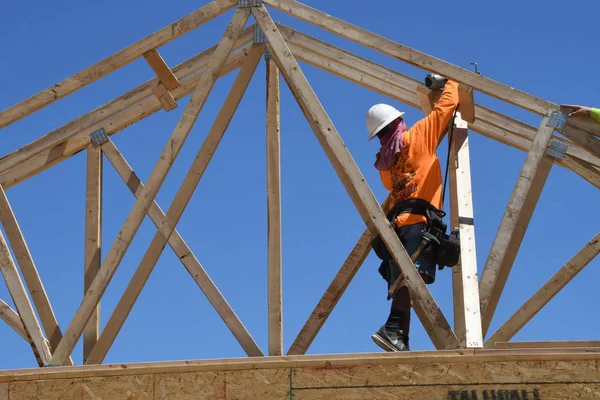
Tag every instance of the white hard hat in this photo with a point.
(379, 116)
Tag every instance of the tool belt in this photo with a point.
(445, 248)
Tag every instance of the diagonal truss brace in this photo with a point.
(168, 223)
(157, 177)
(425, 306)
(185, 254)
(546, 293)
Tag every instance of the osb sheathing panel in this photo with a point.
(258, 384)
(190, 385)
(518, 380)
(132, 387)
(492, 392)
(54, 389)
(448, 373)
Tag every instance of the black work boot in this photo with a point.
(390, 340)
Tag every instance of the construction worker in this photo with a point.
(583, 112)
(409, 168)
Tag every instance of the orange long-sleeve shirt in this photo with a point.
(416, 173)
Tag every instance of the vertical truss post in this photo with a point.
(157, 177)
(515, 221)
(467, 316)
(93, 235)
(425, 306)
(275, 316)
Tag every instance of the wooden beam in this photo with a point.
(10, 316)
(411, 56)
(403, 88)
(114, 62)
(425, 97)
(583, 138)
(161, 69)
(467, 103)
(431, 316)
(24, 309)
(440, 362)
(334, 292)
(546, 293)
(93, 240)
(515, 221)
(165, 97)
(112, 125)
(457, 274)
(30, 272)
(165, 229)
(99, 116)
(583, 169)
(185, 255)
(157, 177)
(274, 210)
(571, 344)
(467, 316)
(540, 374)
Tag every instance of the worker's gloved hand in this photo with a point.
(578, 111)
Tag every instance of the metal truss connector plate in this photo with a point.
(267, 54)
(557, 149)
(249, 3)
(557, 120)
(99, 137)
(259, 35)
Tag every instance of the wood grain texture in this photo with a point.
(157, 177)
(376, 376)
(425, 306)
(138, 387)
(52, 389)
(93, 240)
(275, 314)
(165, 97)
(114, 62)
(161, 69)
(464, 221)
(175, 211)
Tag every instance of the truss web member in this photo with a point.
(410, 169)
(583, 112)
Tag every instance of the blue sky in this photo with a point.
(522, 44)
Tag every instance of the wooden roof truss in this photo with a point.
(242, 48)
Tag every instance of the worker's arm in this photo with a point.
(430, 128)
(582, 112)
